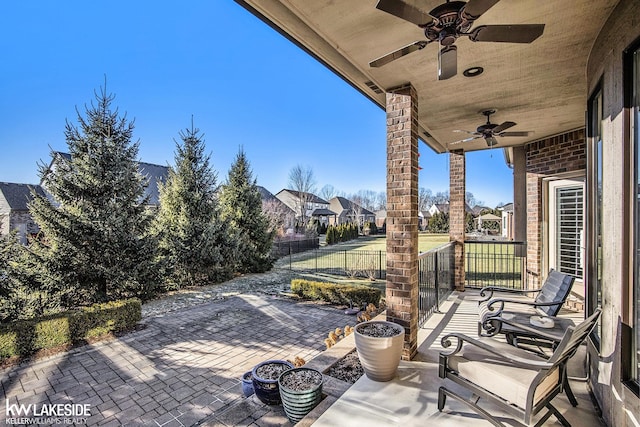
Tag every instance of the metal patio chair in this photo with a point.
(549, 300)
(520, 382)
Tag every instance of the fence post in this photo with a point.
(290, 256)
(380, 265)
(345, 261)
(315, 251)
(437, 281)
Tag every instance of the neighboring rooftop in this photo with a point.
(152, 172)
(18, 196)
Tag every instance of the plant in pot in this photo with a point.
(300, 391)
(379, 344)
(265, 380)
(247, 384)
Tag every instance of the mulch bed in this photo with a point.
(347, 369)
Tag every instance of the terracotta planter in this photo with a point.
(267, 389)
(300, 391)
(379, 355)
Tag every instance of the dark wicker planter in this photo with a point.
(267, 389)
(299, 398)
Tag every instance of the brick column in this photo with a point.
(457, 212)
(402, 214)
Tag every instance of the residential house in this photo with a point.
(477, 210)
(306, 205)
(423, 219)
(575, 176)
(507, 221)
(14, 209)
(381, 218)
(348, 211)
(437, 208)
(277, 211)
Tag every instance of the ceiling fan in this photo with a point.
(489, 131)
(447, 22)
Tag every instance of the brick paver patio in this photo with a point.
(182, 369)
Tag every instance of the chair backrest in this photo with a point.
(555, 288)
(573, 337)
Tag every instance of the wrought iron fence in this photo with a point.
(435, 279)
(282, 248)
(495, 263)
(350, 262)
(487, 263)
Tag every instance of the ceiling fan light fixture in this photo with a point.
(473, 71)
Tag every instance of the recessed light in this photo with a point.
(473, 71)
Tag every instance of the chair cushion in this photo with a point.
(501, 377)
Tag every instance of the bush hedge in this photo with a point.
(26, 337)
(334, 293)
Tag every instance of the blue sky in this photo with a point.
(244, 84)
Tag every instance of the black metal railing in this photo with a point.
(435, 279)
(350, 262)
(287, 247)
(495, 263)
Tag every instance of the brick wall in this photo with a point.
(402, 214)
(457, 212)
(552, 156)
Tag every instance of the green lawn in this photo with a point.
(486, 263)
(379, 243)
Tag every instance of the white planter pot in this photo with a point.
(379, 356)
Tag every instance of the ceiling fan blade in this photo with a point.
(404, 11)
(525, 33)
(521, 133)
(502, 127)
(447, 62)
(410, 48)
(467, 131)
(491, 141)
(474, 8)
(464, 140)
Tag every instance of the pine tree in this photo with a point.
(194, 241)
(95, 244)
(242, 207)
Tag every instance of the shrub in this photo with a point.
(25, 337)
(334, 293)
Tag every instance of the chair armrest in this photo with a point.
(491, 289)
(502, 302)
(520, 362)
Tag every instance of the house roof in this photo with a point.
(265, 194)
(477, 209)
(304, 195)
(340, 204)
(155, 174)
(507, 208)
(322, 212)
(444, 207)
(152, 172)
(18, 196)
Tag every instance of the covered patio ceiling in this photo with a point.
(540, 86)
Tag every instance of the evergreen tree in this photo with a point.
(242, 207)
(95, 244)
(195, 243)
(5, 284)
